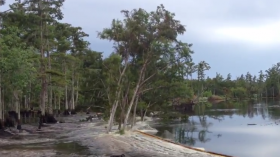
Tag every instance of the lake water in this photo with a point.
(223, 128)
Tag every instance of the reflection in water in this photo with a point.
(223, 128)
(189, 134)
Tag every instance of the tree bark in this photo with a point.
(55, 103)
(134, 111)
(123, 105)
(51, 101)
(59, 102)
(43, 95)
(140, 81)
(116, 102)
(3, 104)
(17, 105)
(72, 90)
(122, 116)
(145, 112)
(29, 96)
(42, 68)
(25, 102)
(77, 93)
(66, 98)
(112, 116)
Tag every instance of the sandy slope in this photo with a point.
(137, 145)
(92, 135)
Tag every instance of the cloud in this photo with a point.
(234, 36)
(265, 35)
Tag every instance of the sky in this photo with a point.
(233, 36)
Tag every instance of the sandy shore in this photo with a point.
(92, 136)
(137, 145)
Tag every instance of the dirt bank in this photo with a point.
(88, 139)
(137, 145)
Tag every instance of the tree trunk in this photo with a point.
(25, 102)
(130, 106)
(59, 102)
(48, 92)
(66, 98)
(55, 103)
(134, 111)
(42, 70)
(72, 91)
(17, 105)
(43, 95)
(29, 97)
(66, 87)
(47, 99)
(112, 116)
(77, 93)
(140, 80)
(2, 103)
(122, 116)
(120, 122)
(116, 102)
(124, 103)
(144, 115)
(50, 101)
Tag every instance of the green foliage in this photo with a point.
(16, 62)
(239, 92)
(207, 94)
(121, 132)
(208, 104)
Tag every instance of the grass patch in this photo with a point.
(121, 132)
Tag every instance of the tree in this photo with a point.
(16, 65)
(260, 83)
(144, 39)
(36, 19)
(201, 68)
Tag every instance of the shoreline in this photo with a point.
(92, 135)
(135, 144)
(184, 146)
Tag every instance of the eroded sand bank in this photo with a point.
(92, 136)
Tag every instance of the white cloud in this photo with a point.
(262, 35)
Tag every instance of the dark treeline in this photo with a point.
(265, 85)
(47, 65)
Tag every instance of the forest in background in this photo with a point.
(47, 65)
